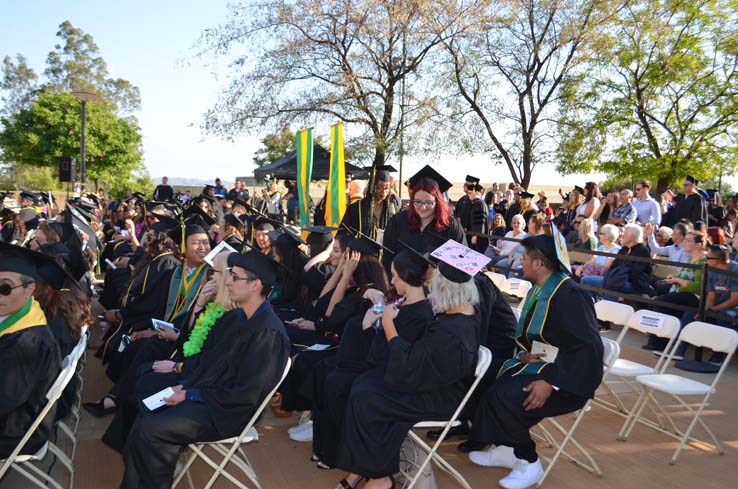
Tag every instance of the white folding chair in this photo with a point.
(24, 464)
(227, 449)
(610, 356)
(699, 334)
(497, 278)
(483, 361)
(645, 321)
(613, 312)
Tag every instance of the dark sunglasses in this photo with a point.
(7, 289)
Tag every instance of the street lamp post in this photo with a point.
(83, 97)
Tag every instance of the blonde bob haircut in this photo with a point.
(447, 295)
(222, 298)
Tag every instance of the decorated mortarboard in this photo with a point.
(429, 174)
(552, 247)
(196, 210)
(320, 234)
(21, 260)
(471, 179)
(457, 262)
(578, 189)
(526, 195)
(256, 263)
(562, 254)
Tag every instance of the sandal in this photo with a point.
(345, 484)
(98, 409)
(323, 466)
(314, 458)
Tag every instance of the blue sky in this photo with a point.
(146, 42)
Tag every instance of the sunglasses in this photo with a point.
(7, 289)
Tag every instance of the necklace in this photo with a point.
(202, 328)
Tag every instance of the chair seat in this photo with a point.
(33, 457)
(250, 437)
(628, 368)
(674, 384)
(435, 424)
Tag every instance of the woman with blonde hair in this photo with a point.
(587, 238)
(212, 303)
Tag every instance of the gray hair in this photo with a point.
(635, 230)
(611, 232)
(665, 232)
(447, 295)
(518, 217)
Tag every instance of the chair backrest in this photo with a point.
(614, 312)
(656, 323)
(497, 278)
(516, 287)
(484, 359)
(52, 396)
(611, 353)
(716, 338)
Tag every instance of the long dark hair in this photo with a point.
(73, 304)
(290, 274)
(369, 275)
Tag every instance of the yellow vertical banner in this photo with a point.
(335, 204)
(304, 154)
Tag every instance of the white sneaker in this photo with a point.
(300, 427)
(303, 435)
(524, 474)
(494, 456)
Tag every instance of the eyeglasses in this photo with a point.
(7, 289)
(638, 189)
(424, 203)
(236, 278)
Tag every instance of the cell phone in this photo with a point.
(124, 233)
(163, 326)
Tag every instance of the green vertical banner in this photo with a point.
(336, 196)
(304, 147)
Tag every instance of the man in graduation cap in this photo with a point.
(242, 360)
(690, 204)
(474, 215)
(533, 385)
(428, 223)
(371, 214)
(461, 204)
(166, 290)
(29, 354)
(27, 212)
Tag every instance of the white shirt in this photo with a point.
(648, 211)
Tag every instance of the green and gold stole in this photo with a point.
(183, 291)
(26, 317)
(539, 300)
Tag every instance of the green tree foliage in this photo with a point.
(661, 98)
(304, 61)
(50, 128)
(274, 146)
(18, 85)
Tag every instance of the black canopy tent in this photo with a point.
(285, 168)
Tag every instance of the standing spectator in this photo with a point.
(513, 206)
(647, 209)
(163, 192)
(542, 203)
(219, 190)
(576, 198)
(238, 192)
(272, 201)
(673, 252)
(591, 203)
(666, 201)
(626, 212)
(715, 210)
(609, 204)
(293, 202)
(689, 205)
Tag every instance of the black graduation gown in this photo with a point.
(234, 241)
(461, 207)
(60, 329)
(571, 326)
(315, 279)
(233, 376)
(398, 229)
(357, 215)
(690, 207)
(475, 219)
(30, 362)
(423, 380)
(146, 298)
(359, 352)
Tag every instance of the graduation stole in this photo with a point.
(183, 290)
(28, 316)
(538, 299)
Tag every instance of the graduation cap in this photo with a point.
(257, 263)
(21, 260)
(234, 221)
(526, 195)
(94, 198)
(320, 234)
(263, 225)
(25, 194)
(383, 173)
(286, 237)
(56, 271)
(155, 206)
(458, 263)
(431, 176)
(170, 226)
(46, 198)
(452, 273)
(471, 179)
(237, 201)
(578, 189)
(365, 245)
(65, 230)
(426, 258)
(195, 211)
(552, 247)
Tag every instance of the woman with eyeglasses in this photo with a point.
(427, 223)
(138, 383)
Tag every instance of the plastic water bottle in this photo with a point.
(378, 308)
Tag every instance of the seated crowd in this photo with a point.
(381, 334)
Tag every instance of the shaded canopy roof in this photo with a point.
(286, 167)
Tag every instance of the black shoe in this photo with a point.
(651, 347)
(604, 326)
(98, 409)
(461, 430)
(470, 446)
